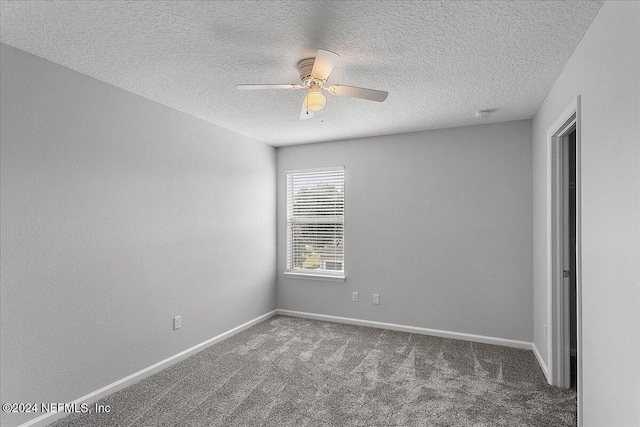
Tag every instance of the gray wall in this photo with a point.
(118, 214)
(438, 223)
(605, 71)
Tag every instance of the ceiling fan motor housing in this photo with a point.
(305, 67)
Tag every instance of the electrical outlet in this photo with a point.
(376, 298)
(177, 322)
(354, 297)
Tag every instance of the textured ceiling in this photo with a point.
(439, 61)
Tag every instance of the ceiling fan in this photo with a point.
(314, 73)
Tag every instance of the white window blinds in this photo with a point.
(315, 221)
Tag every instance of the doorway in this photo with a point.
(563, 249)
(569, 258)
(564, 261)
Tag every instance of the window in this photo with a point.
(315, 223)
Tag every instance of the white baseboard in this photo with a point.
(412, 329)
(543, 365)
(94, 396)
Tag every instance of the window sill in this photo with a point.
(308, 276)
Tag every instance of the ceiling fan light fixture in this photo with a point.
(314, 73)
(315, 100)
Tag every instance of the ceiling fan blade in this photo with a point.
(323, 64)
(253, 87)
(359, 92)
(304, 113)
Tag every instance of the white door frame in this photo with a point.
(557, 343)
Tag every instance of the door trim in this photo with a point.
(555, 350)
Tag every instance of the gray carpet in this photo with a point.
(295, 372)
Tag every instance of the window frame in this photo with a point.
(313, 274)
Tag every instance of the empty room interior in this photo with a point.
(320, 213)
